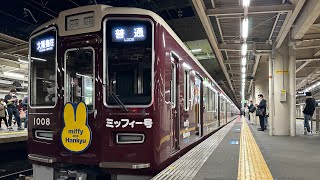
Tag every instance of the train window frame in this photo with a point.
(173, 88)
(214, 101)
(187, 89)
(104, 62)
(210, 97)
(56, 67)
(93, 70)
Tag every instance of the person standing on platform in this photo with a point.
(3, 114)
(261, 111)
(308, 112)
(252, 108)
(246, 110)
(12, 101)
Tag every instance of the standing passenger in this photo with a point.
(3, 114)
(262, 108)
(12, 101)
(251, 111)
(308, 112)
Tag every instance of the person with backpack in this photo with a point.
(3, 114)
(252, 109)
(261, 112)
(11, 100)
(308, 112)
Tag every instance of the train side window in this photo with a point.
(210, 100)
(213, 101)
(173, 85)
(186, 89)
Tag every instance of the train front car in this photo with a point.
(92, 93)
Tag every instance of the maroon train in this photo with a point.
(147, 99)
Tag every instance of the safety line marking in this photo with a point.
(251, 162)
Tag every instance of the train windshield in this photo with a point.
(43, 69)
(129, 61)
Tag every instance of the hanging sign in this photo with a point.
(281, 71)
(76, 134)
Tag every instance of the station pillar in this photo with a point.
(284, 73)
(261, 85)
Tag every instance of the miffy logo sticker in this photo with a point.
(76, 134)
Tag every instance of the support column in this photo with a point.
(271, 93)
(261, 83)
(284, 90)
(292, 94)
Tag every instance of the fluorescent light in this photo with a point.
(23, 60)
(245, 27)
(243, 69)
(243, 76)
(246, 3)
(13, 74)
(39, 59)
(6, 82)
(78, 74)
(243, 80)
(244, 61)
(196, 50)
(244, 49)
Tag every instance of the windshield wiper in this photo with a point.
(117, 99)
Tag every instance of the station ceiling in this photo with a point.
(214, 26)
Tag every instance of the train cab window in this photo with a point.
(79, 84)
(186, 90)
(128, 62)
(43, 69)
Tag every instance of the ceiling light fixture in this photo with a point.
(244, 61)
(243, 69)
(243, 76)
(244, 49)
(245, 28)
(23, 60)
(196, 50)
(39, 59)
(11, 74)
(246, 3)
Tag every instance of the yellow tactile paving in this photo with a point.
(251, 162)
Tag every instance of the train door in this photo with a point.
(79, 86)
(199, 105)
(175, 105)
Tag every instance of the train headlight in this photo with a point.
(44, 135)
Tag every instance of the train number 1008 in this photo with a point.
(41, 121)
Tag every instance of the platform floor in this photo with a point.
(7, 136)
(239, 151)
